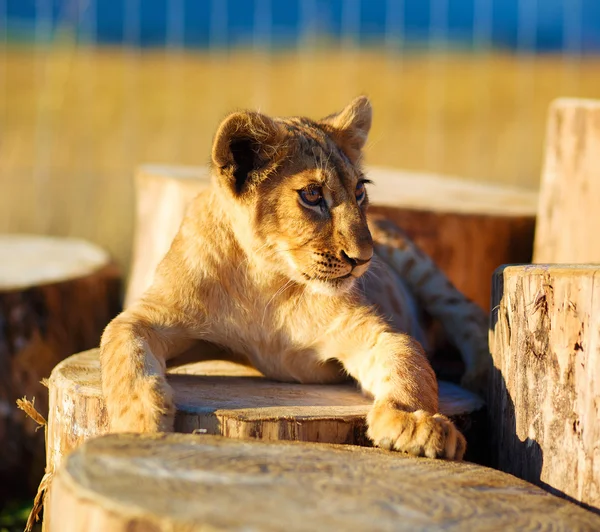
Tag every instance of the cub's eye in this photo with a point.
(311, 196)
(360, 191)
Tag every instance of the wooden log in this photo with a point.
(56, 296)
(190, 483)
(224, 398)
(469, 229)
(568, 217)
(544, 400)
(162, 196)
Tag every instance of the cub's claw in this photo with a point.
(417, 433)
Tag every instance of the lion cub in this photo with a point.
(276, 265)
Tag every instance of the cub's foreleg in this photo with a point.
(393, 368)
(133, 353)
(465, 324)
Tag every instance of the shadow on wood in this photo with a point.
(543, 393)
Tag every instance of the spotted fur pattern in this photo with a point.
(293, 287)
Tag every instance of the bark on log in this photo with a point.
(469, 229)
(190, 483)
(544, 401)
(227, 399)
(56, 296)
(568, 217)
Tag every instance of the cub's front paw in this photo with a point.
(147, 408)
(417, 433)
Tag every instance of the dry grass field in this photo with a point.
(76, 120)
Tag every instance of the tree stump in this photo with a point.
(56, 297)
(544, 400)
(224, 398)
(162, 196)
(570, 188)
(191, 483)
(469, 229)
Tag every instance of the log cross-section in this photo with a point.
(56, 297)
(184, 483)
(227, 399)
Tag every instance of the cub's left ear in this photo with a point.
(246, 148)
(350, 127)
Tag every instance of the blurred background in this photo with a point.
(91, 88)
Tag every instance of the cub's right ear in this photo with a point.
(246, 147)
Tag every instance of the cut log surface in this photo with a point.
(569, 214)
(56, 296)
(187, 483)
(544, 400)
(469, 229)
(227, 399)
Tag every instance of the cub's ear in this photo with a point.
(247, 145)
(350, 127)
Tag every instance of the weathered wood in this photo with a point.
(56, 296)
(162, 196)
(227, 399)
(544, 400)
(187, 483)
(569, 215)
(469, 229)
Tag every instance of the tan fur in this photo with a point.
(281, 286)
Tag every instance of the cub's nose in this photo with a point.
(354, 261)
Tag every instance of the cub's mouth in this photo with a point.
(329, 274)
(331, 279)
(327, 279)
(331, 286)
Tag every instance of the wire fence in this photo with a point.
(90, 88)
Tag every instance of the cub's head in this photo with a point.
(298, 193)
